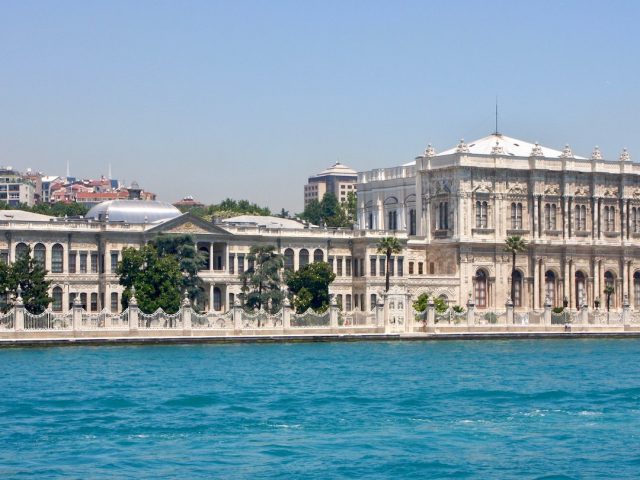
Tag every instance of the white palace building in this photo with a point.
(451, 211)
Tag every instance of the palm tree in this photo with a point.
(608, 291)
(388, 246)
(515, 244)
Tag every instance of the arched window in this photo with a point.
(288, 259)
(339, 300)
(393, 220)
(581, 289)
(636, 290)
(94, 302)
(57, 256)
(303, 257)
(56, 294)
(550, 287)
(609, 282)
(480, 289)
(550, 216)
(481, 214)
(217, 299)
(83, 300)
(412, 222)
(21, 250)
(443, 216)
(517, 289)
(516, 216)
(580, 222)
(318, 255)
(40, 254)
(634, 220)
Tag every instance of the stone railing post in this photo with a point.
(626, 310)
(509, 307)
(431, 312)
(471, 312)
(409, 316)
(286, 314)
(237, 317)
(333, 313)
(186, 314)
(379, 311)
(584, 314)
(547, 311)
(387, 322)
(18, 312)
(76, 314)
(133, 311)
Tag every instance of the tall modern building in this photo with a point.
(338, 179)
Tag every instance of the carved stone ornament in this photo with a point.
(536, 151)
(462, 147)
(429, 151)
(552, 190)
(581, 192)
(596, 154)
(636, 193)
(624, 156)
(566, 152)
(611, 192)
(518, 189)
(497, 149)
(483, 187)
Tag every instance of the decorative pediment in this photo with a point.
(188, 224)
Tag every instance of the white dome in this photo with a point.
(133, 211)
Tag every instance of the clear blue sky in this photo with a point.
(247, 99)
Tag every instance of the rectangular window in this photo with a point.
(114, 302)
(347, 262)
(4, 257)
(432, 268)
(94, 262)
(420, 268)
(373, 300)
(400, 266)
(355, 302)
(114, 262)
(57, 260)
(94, 302)
(72, 262)
(348, 303)
(356, 271)
(392, 269)
(410, 268)
(372, 266)
(330, 262)
(339, 267)
(231, 269)
(240, 263)
(83, 263)
(383, 265)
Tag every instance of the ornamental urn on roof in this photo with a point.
(566, 152)
(596, 154)
(429, 151)
(497, 149)
(462, 147)
(624, 156)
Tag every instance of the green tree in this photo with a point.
(312, 212)
(389, 246)
(420, 305)
(514, 245)
(30, 275)
(183, 248)
(261, 281)
(332, 212)
(310, 285)
(350, 207)
(157, 279)
(608, 291)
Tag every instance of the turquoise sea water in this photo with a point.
(472, 409)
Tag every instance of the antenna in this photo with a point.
(497, 132)
(68, 169)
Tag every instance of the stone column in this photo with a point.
(18, 312)
(626, 311)
(379, 311)
(210, 256)
(237, 317)
(471, 311)
(509, 308)
(186, 314)
(547, 311)
(534, 217)
(286, 314)
(333, 314)
(387, 324)
(133, 311)
(211, 297)
(431, 313)
(76, 314)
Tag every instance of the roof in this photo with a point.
(21, 215)
(498, 144)
(338, 169)
(133, 211)
(264, 221)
